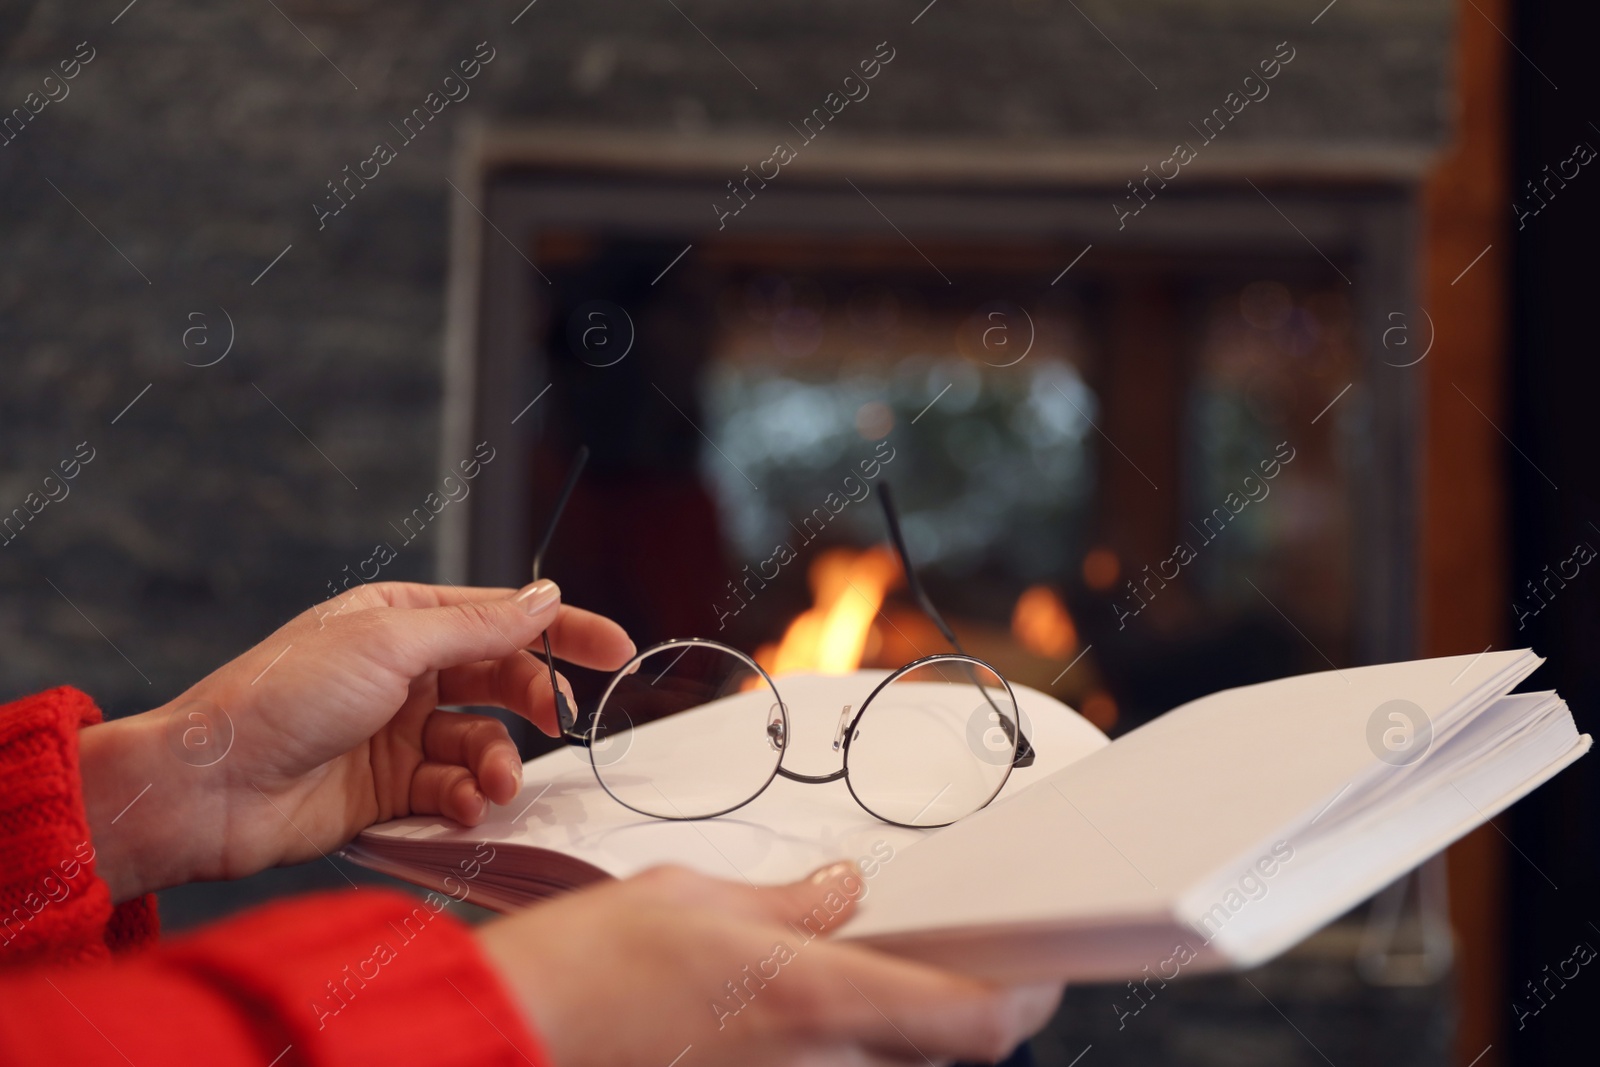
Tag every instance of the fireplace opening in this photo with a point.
(1117, 486)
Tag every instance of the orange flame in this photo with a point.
(1041, 623)
(833, 635)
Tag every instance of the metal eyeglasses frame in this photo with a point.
(1023, 755)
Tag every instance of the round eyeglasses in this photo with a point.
(692, 729)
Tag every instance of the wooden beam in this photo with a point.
(1464, 533)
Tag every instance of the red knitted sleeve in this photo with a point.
(362, 977)
(367, 976)
(52, 907)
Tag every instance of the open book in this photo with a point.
(1217, 835)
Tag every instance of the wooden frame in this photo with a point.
(1463, 594)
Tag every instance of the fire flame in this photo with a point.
(1041, 623)
(832, 636)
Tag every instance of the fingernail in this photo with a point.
(516, 768)
(832, 872)
(538, 597)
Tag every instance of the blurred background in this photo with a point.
(1065, 274)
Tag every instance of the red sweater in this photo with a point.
(367, 976)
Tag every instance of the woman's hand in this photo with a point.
(331, 725)
(637, 973)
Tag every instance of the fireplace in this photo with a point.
(1152, 436)
(1137, 463)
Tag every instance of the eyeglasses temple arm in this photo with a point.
(566, 718)
(891, 515)
(892, 518)
(567, 487)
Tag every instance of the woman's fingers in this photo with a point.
(483, 624)
(415, 640)
(895, 1007)
(852, 1056)
(519, 680)
(519, 683)
(670, 940)
(819, 903)
(836, 995)
(936, 1013)
(579, 636)
(394, 595)
(447, 789)
(590, 640)
(1036, 1005)
(421, 595)
(479, 743)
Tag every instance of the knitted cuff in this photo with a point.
(52, 906)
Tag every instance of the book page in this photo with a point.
(1121, 835)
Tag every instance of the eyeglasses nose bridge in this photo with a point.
(777, 736)
(838, 734)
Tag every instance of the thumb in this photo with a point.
(819, 903)
(442, 637)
